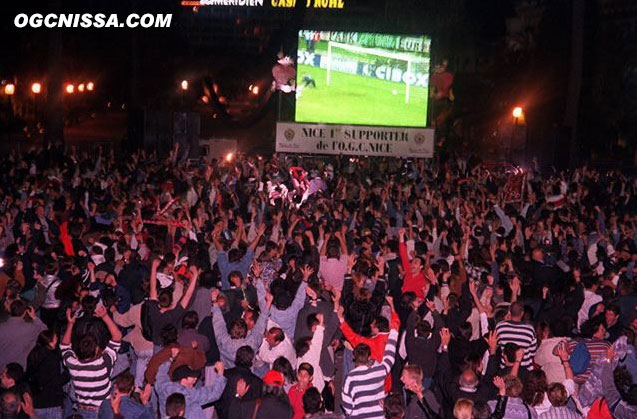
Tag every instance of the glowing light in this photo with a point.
(255, 90)
(517, 112)
(36, 88)
(69, 88)
(205, 99)
(184, 85)
(80, 87)
(90, 86)
(229, 157)
(9, 89)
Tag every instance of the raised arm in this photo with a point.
(185, 299)
(402, 251)
(153, 279)
(218, 322)
(102, 313)
(389, 357)
(316, 344)
(255, 242)
(326, 239)
(66, 339)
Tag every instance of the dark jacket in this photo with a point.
(45, 377)
(233, 375)
(270, 408)
(359, 314)
(420, 350)
(332, 330)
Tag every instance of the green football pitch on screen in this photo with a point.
(362, 79)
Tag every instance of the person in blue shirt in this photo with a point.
(232, 260)
(128, 405)
(184, 381)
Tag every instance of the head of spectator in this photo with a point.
(590, 281)
(18, 308)
(362, 352)
(282, 365)
(273, 383)
(176, 405)
(186, 376)
(481, 410)
(190, 320)
(238, 329)
(468, 380)
(305, 375)
(463, 409)
(10, 405)
(234, 255)
(124, 383)
(535, 386)
(89, 304)
(625, 384)
(611, 315)
(380, 324)
(235, 278)
(312, 401)
(423, 329)
(411, 377)
(250, 317)
(165, 298)
(516, 311)
(244, 357)
(169, 335)
(513, 386)
(11, 375)
(593, 328)
(274, 336)
(508, 353)
(394, 407)
(557, 395)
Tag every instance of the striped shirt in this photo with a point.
(597, 348)
(522, 334)
(91, 380)
(364, 386)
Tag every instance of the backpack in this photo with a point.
(580, 358)
(146, 322)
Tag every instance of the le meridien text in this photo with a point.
(89, 20)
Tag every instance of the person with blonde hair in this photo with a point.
(423, 403)
(515, 406)
(463, 409)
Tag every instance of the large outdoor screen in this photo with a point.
(362, 78)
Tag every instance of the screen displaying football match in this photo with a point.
(362, 78)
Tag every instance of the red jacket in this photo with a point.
(376, 343)
(296, 400)
(411, 282)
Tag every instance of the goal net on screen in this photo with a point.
(376, 63)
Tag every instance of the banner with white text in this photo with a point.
(354, 140)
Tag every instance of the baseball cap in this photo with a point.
(273, 378)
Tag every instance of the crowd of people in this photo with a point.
(145, 286)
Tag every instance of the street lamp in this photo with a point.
(90, 86)
(517, 112)
(9, 89)
(70, 88)
(36, 88)
(184, 85)
(80, 87)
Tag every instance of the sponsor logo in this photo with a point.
(289, 134)
(419, 138)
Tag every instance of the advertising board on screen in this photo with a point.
(362, 78)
